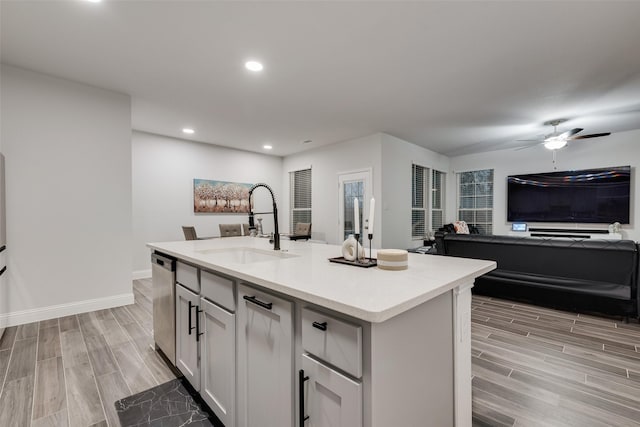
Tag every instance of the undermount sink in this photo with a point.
(245, 255)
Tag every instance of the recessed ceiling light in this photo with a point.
(188, 130)
(253, 66)
(94, 1)
(267, 147)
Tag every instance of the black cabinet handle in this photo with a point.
(322, 326)
(256, 301)
(198, 333)
(301, 380)
(191, 328)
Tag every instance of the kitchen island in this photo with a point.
(286, 338)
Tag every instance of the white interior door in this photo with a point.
(352, 185)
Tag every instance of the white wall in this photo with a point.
(397, 158)
(68, 179)
(163, 173)
(618, 149)
(326, 164)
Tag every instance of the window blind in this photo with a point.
(419, 176)
(300, 197)
(437, 199)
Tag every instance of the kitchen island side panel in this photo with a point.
(412, 367)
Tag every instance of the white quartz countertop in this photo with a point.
(304, 272)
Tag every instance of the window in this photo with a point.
(300, 194)
(427, 200)
(437, 199)
(475, 199)
(419, 178)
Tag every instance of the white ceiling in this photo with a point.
(456, 77)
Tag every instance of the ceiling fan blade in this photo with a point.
(526, 147)
(593, 135)
(568, 134)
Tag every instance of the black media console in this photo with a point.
(570, 232)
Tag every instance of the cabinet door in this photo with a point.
(218, 361)
(330, 398)
(265, 360)
(186, 335)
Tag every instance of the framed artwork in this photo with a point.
(211, 196)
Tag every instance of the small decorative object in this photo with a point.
(393, 259)
(349, 249)
(615, 227)
(211, 196)
(354, 254)
(461, 227)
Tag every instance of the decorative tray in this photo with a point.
(366, 263)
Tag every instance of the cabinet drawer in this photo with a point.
(217, 289)
(332, 340)
(188, 276)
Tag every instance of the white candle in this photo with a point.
(372, 209)
(356, 214)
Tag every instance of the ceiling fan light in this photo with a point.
(554, 143)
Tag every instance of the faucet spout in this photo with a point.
(276, 234)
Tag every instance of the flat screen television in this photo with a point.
(583, 196)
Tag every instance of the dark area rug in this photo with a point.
(167, 405)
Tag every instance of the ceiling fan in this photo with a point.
(555, 140)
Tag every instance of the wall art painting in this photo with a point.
(210, 196)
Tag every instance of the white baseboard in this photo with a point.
(142, 274)
(53, 311)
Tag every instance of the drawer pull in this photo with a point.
(191, 328)
(256, 301)
(301, 380)
(322, 326)
(198, 333)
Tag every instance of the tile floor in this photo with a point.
(71, 370)
(532, 366)
(535, 366)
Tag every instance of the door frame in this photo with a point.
(367, 175)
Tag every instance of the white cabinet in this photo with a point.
(265, 360)
(330, 399)
(332, 340)
(326, 396)
(187, 349)
(206, 345)
(188, 276)
(218, 361)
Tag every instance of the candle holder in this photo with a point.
(357, 236)
(358, 262)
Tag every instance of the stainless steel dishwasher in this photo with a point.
(163, 276)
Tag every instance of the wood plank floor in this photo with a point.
(535, 366)
(532, 366)
(70, 371)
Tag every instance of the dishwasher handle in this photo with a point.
(163, 261)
